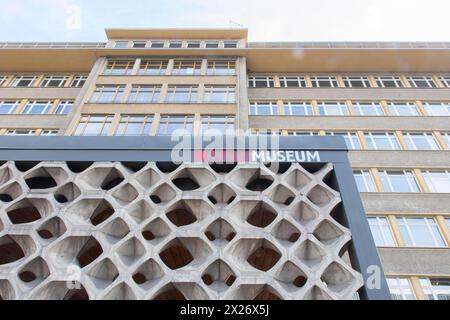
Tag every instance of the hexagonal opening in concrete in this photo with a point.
(96, 211)
(76, 250)
(286, 232)
(218, 276)
(134, 166)
(167, 167)
(148, 178)
(169, 292)
(115, 230)
(130, 251)
(121, 292)
(260, 254)
(140, 211)
(189, 179)
(189, 211)
(291, 277)
(52, 229)
(281, 195)
(105, 178)
(103, 273)
(67, 193)
(337, 278)
(34, 272)
(320, 196)
(10, 250)
(298, 179)
(220, 230)
(257, 213)
(223, 167)
(148, 273)
(10, 192)
(156, 230)
(78, 166)
(304, 213)
(254, 179)
(328, 233)
(125, 194)
(45, 177)
(163, 194)
(221, 195)
(316, 293)
(181, 252)
(58, 290)
(28, 210)
(310, 253)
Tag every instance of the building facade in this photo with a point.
(390, 101)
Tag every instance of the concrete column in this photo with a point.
(242, 94)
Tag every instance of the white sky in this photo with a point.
(276, 20)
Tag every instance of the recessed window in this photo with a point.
(324, 81)
(54, 81)
(220, 94)
(24, 81)
(297, 108)
(265, 132)
(364, 181)
(94, 125)
(403, 109)
(187, 67)
(121, 44)
(49, 132)
(230, 44)
(214, 124)
(332, 108)
(134, 125)
(221, 67)
(445, 81)
(301, 133)
(389, 82)
(356, 81)
(182, 94)
(293, 81)
(175, 44)
(420, 232)
(382, 141)
(420, 141)
(139, 44)
(37, 107)
(8, 107)
(263, 108)
(108, 94)
(64, 107)
(119, 67)
(368, 109)
(381, 232)
(421, 81)
(21, 132)
(193, 44)
(437, 108)
(261, 82)
(436, 288)
(2, 80)
(399, 181)
(153, 67)
(351, 139)
(212, 44)
(176, 124)
(157, 44)
(145, 94)
(446, 136)
(437, 181)
(78, 81)
(400, 288)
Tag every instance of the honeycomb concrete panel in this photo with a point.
(112, 230)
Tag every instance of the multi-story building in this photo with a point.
(390, 101)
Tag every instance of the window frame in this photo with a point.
(77, 80)
(382, 79)
(395, 106)
(365, 81)
(86, 119)
(119, 67)
(316, 81)
(253, 80)
(17, 79)
(180, 89)
(429, 138)
(428, 106)
(285, 80)
(34, 103)
(255, 105)
(306, 106)
(384, 229)
(414, 80)
(117, 91)
(385, 176)
(342, 107)
(427, 175)
(186, 67)
(229, 121)
(13, 106)
(63, 105)
(211, 92)
(372, 144)
(359, 106)
(351, 138)
(213, 70)
(404, 225)
(138, 90)
(367, 179)
(51, 78)
(167, 119)
(124, 122)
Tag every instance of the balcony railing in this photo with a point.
(52, 45)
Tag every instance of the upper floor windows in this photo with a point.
(368, 109)
(436, 288)
(263, 108)
(446, 136)
(2, 79)
(21, 132)
(220, 94)
(356, 81)
(221, 67)
(37, 107)
(64, 107)
(54, 81)
(297, 108)
(230, 44)
(181, 124)
(212, 44)
(121, 44)
(421, 81)
(399, 181)
(420, 141)
(292, 81)
(364, 181)
(261, 82)
(156, 44)
(389, 82)
(182, 94)
(134, 125)
(420, 232)
(145, 94)
(301, 133)
(119, 67)
(78, 81)
(108, 94)
(324, 81)
(445, 81)
(213, 124)
(193, 44)
(24, 81)
(438, 181)
(139, 44)
(382, 141)
(400, 289)
(381, 231)
(351, 139)
(175, 44)
(187, 67)
(94, 125)
(437, 108)
(328, 108)
(153, 67)
(403, 109)
(8, 107)
(49, 132)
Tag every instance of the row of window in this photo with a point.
(433, 288)
(341, 108)
(54, 81)
(414, 231)
(176, 44)
(174, 94)
(350, 81)
(36, 107)
(31, 132)
(161, 67)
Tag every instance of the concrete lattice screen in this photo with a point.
(122, 230)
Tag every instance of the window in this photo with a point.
(230, 44)
(324, 81)
(94, 125)
(108, 94)
(403, 109)
(185, 67)
(145, 94)
(8, 107)
(436, 288)
(175, 44)
(420, 232)
(265, 132)
(368, 109)
(119, 67)
(420, 141)
(220, 94)
(381, 231)
(445, 81)
(218, 123)
(157, 44)
(301, 133)
(54, 81)
(221, 68)
(400, 289)
(389, 82)
(170, 123)
(24, 81)
(134, 125)
(351, 139)
(438, 181)
(2, 80)
(193, 44)
(37, 107)
(78, 81)
(299, 108)
(263, 108)
(121, 44)
(364, 181)
(437, 108)
(139, 44)
(153, 67)
(421, 81)
(21, 132)
(182, 94)
(446, 137)
(49, 132)
(212, 44)
(399, 181)
(382, 141)
(261, 82)
(293, 81)
(332, 108)
(356, 81)
(64, 107)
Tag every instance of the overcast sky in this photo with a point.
(267, 20)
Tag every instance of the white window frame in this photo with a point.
(160, 44)
(153, 90)
(160, 67)
(228, 120)
(351, 139)
(114, 67)
(252, 80)
(49, 132)
(394, 108)
(31, 104)
(211, 92)
(145, 120)
(428, 176)
(429, 223)
(14, 105)
(395, 79)
(445, 106)
(174, 90)
(117, 90)
(429, 138)
(300, 80)
(15, 132)
(367, 179)
(187, 68)
(332, 80)
(430, 83)
(407, 174)
(322, 105)
(304, 105)
(383, 226)
(228, 67)
(445, 81)
(446, 137)
(363, 79)
(360, 106)
(78, 81)
(63, 105)
(104, 120)
(47, 79)
(302, 133)
(166, 119)
(137, 44)
(2, 79)
(390, 136)
(401, 288)
(17, 79)
(273, 107)
(434, 292)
